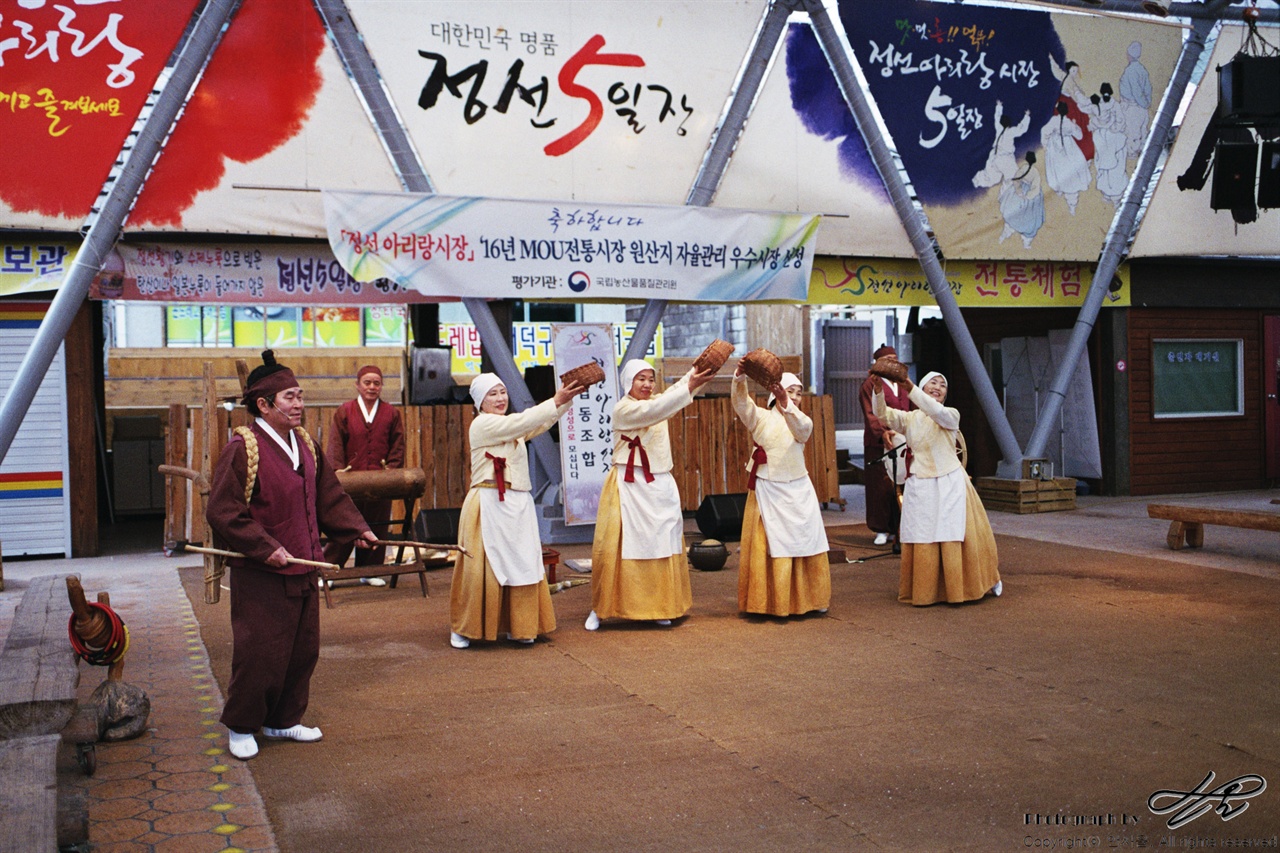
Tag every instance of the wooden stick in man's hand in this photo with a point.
(219, 552)
(431, 546)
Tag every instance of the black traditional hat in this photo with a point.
(268, 379)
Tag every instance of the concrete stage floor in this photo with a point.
(1111, 670)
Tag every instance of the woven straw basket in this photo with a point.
(585, 375)
(762, 367)
(714, 356)
(889, 368)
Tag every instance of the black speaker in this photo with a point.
(1269, 176)
(1247, 89)
(720, 517)
(1235, 170)
(439, 526)
(430, 380)
(540, 379)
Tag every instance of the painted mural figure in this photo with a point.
(1072, 94)
(1002, 163)
(1135, 101)
(1108, 127)
(1065, 166)
(1022, 203)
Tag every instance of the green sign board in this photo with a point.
(1197, 378)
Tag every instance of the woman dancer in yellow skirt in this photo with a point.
(638, 565)
(782, 567)
(499, 585)
(948, 549)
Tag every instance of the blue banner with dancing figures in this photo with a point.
(1019, 128)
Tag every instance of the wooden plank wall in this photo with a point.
(442, 450)
(154, 378)
(779, 329)
(710, 446)
(1194, 454)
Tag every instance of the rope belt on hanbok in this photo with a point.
(499, 474)
(758, 458)
(630, 476)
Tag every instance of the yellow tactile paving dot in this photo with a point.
(173, 788)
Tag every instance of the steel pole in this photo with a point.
(838, 53)
(105, 228)
(413, 176)
(724, 138)
(1122, 229)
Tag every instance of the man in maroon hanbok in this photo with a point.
(882, 492)
(272, 496)
(367, 434)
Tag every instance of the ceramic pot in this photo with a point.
(709, 555)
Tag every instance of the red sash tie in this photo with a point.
(758, 458)
(630, 476)
(499, 474)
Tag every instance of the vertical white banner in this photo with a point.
(586, 436)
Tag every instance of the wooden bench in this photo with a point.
(39, 674)
(39, 670)
(1187, 522)
(29, 795)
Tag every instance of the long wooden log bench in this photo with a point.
(1187, 523)
(39, 674)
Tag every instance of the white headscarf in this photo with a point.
(630, 371)
(930, 375)
(787, 380)
(482, 385)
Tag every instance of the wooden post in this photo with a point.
(215, 438)
(210, 421)
(82, 415)
(116, 670)
(196, 522)
(175, 493)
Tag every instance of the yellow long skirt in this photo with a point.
(633, 589)
(480, 608)
(778, 586)
(952, 571)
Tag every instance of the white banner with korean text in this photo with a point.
(499, 248)
(586, 437)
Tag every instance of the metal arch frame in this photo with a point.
(1209, 11)
(840, 57)
(395, 139)
(1123, 228)
(122, 187)
(1124, 225)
